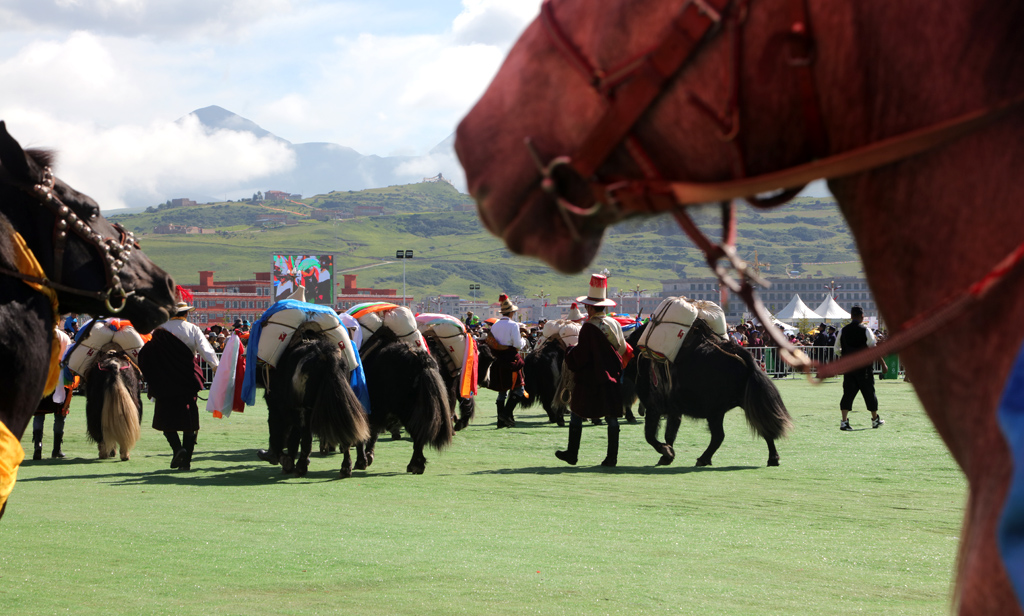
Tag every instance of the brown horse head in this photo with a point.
(690, 132)
(99, 270)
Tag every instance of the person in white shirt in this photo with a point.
(174, 379)
(506, 340)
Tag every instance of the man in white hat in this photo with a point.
(174, 379)
(506, 340)
(596, 362)
(574, 314)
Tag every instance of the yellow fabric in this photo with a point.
(11, 455)
(28, 265)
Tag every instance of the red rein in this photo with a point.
(629, 89)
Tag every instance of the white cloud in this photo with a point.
(134, 18)
(154, 163)
(493, 22)
(104, 80)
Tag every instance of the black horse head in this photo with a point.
(94, 266)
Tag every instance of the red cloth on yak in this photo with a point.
(597, 370)
(174, 378)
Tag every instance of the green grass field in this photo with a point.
(852, 522)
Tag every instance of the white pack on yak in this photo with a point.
(672, 320)
(276, 329)
(450, 331)
(98, 335)
(399, 319)
(459, 346)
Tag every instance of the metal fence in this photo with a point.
(773, 365)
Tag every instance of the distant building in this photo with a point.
(223, 302)
(183, 203)
(466, 207)
(437, 178)
(350, 295)
(280, 195)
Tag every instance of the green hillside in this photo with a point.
(452, 250)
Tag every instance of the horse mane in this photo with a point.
(43, 158)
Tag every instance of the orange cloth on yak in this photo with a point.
(11, 455)
(28, 265)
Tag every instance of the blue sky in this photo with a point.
(103, 81)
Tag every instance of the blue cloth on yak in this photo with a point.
(1011, 523)
(357, 379)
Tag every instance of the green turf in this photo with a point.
(852, 522)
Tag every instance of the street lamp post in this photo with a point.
(542, 296)
(403, 255)
(638, 291)
(473, 288)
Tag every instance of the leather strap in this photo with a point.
(639, 82)
(651, 197)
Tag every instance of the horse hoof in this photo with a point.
(369, 459)
(666, 460)
(360, 464)
(415, 469)
(287, 466)
(774, 461)
(631, 420)
(703, 462)
(346, 472)
(126, 457)
(300, 471)
(609, 462)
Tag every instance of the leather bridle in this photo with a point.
(631, 87)
(115, 253)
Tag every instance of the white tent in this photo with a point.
(829, 310)
(797, 310)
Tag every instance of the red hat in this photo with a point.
(507, 307)
(598, 292)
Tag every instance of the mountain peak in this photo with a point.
(214, 117)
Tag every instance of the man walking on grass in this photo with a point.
(855, 337)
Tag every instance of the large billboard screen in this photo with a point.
(314, 274)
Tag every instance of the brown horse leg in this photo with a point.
(651, 425)
(717, 436)
(418, 463)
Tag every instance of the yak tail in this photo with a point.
(431, 421)
(120, 417)
(766, 413)
(336, 415)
